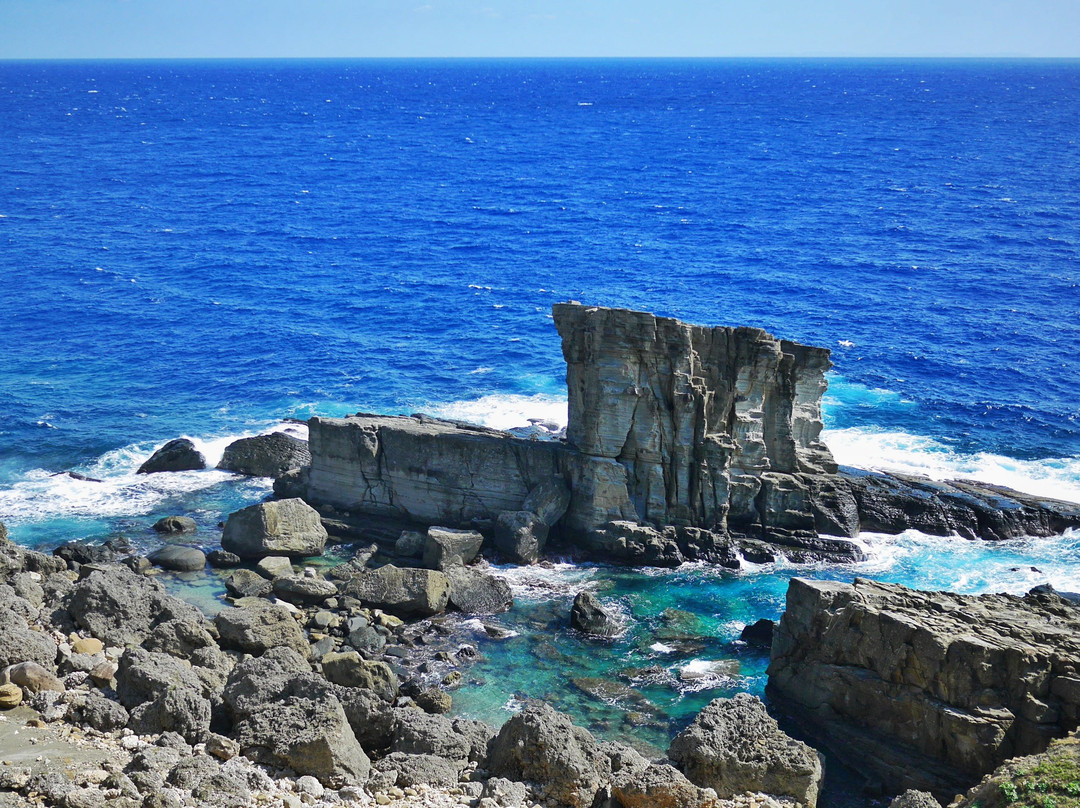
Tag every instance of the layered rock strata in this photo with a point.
(927, 690)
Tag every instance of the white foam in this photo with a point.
(868, 448)
(505, 411)
(660, 648)
(546, 582)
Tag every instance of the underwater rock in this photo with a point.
(926, 690)
(288, 527)
(265, 455)
(175, 524)
(176, 455)
(735, 746)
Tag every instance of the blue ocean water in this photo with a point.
(207, 248)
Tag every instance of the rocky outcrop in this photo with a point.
(588, 615)
(176, 455)
(1051, 778)
(735, 746)
(288, 527)
(265, 455)
(927, 690)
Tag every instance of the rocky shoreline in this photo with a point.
(328, 686)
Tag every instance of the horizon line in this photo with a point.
(821, 57)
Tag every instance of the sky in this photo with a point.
(81, 29)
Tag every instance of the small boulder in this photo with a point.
(31, 676)
(273, 567)
(247, 584)
(446, 547)
(303, 590)
(259, 625)
(420, 770)
(735, 746)
(18, 643)
(265, 455)
(10, 696)
(400, 591)
(475, 592)
(589, 616)
(915, 799)
(758, 634)
(178, 558)
(287, 527)
(176, 455)
(176, 524)
(410, 544)
(659, 785)
(222, 559)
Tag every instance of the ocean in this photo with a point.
(209, 248)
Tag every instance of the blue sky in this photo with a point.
(379, 28)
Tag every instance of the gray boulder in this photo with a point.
(276, 566)
(520, 536)
(103, 714)
(162, 694)
(247, 584)
(659, 785)
(265, 455)
(589, 615)
(122, 608)
(475, 592)
(31, 677)
(19, 644)
(303, 590)
(257, 626)
(372, 718)
(221, 559)
(351, 670)
(176, 455)
(542, 747)
(735, 746)
(178, 558)
(420, 733)
(176, 524)
(446, 547)
(403, 592)
(288, 527)
(549, 500)
(410, 544)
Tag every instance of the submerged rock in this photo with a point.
(176, 524)
(176, 455)
(288, 527)
(265, 455)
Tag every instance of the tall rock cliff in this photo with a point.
(709, 424)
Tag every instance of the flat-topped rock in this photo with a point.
(927, 690)
(287, 527)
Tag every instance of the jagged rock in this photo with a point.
(122, 608)
(446, 547)
(162, 694)
(1051, 778)
(288, 527)
(520, 536)
(77, 553)
(632, 543)
(176, 455)
(420, 733)
(734, 746)
(351, 670)
(103, 714)
(504, 793)
(180, 637)
(208, 784)
(433, 700)
(303, 590)
(372, 718)
(176, 524)
(588, 615)
(542, 747)
(31, 676)
(915, 799)
(179, 558)
(248, 584)
(475, 592)
(759, 634)
(400, 591)
(926, 689)
(258, 626)
(265, 455)
(19, 644)
(659, 785)
(413, 770)
(221, 747)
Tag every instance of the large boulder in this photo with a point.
(122, 608)
(659, 785)
(475, 592)
(162, 694)
(31, 677)
(178, 558)
(176, 455)
(400, 591)
(288, 527)
(265, 455)
(18, 643)
(589, 615)
(257, 626)
(520, 536)
(420, 733)
(735, 746)
(446, 547)
(542, 747)
(303, 590)
(351, 670)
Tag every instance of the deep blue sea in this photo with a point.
(206, 248)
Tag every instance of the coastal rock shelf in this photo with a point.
(705, 438)
(927, 690)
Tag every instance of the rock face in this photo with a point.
(288, 527)
(176, 455)
(265, 455)
(710, 432)
(927, 690)
(734, 746)
(1048, 779)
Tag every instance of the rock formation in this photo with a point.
(265, 455)
(683, 442)
(927, 690)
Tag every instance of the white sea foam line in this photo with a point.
(505, 411)
(1057, 478)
